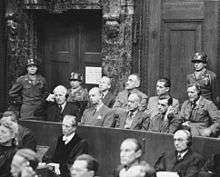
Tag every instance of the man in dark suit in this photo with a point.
(133, 118)
(58, 106)
(25, 137)
(183, 160)
(99, 114)
(108, 98)
(166, 120)
(69, 145)
(163, 91)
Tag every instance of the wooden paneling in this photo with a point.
(69, 42)
(180, 41)
(172, 31)
(104, 143)
(3, 64)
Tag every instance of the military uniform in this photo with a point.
(31, 94)
(79, 94)
(202, 115)
(206, 81)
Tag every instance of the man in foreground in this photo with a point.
(183, 160)
(84, 166)
(130, 155)
(69, 145)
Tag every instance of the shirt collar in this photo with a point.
(68, 138)
(99, 106)
(63, 105)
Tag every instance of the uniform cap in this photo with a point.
(75, 77)
(200, 57)
(31, 62)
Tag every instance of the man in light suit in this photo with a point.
(163, 90)
(133, 118)
(99, 114)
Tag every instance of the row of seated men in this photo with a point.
(69, 156)
(133, 110)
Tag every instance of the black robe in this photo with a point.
(66, 154)
(6, 155)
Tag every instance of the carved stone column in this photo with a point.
(117, 39)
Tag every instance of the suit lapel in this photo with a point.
(135, 120)
(123, 119)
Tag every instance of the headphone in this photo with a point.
(189, 137)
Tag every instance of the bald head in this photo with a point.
(60, 93)
(60, 89)
(130, 152)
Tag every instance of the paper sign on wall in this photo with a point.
(93, 74)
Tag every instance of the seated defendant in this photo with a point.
(166, 120)
(199, 114)
(183, 160)
(69, 145)
(76, 93)
(131, 86)
(84, 166)
(108, 97)
(98, 114)
(58, 106)
(30, 91)
(133, 118)
(163, 91)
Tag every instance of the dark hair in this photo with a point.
(30, 156)
(92, 163)
(169, 100)
(166, 81)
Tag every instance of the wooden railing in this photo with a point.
(104, 143)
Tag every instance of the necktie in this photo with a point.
(179, 157)
(60, 108)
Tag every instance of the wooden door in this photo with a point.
(172, 31)
(69, 42)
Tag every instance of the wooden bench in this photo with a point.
(104, 143)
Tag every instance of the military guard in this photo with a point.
(202, 76)
(77, 93)
(30, 91)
